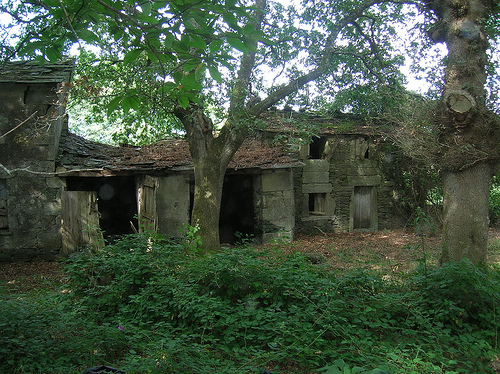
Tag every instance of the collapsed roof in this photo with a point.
(82, 157)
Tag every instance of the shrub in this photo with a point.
(243, 310)
(40, 336)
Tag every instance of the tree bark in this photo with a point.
(211, 155)
(469, 131)
(209, 181)
(466, 213)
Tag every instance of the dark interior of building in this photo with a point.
(116, 199)
(237, 218)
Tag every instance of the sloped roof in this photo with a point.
(33, 72)
(79, 156)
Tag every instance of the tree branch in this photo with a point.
(19, 125)
(322, 67)
(240, 91)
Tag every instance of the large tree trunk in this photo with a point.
(466, 220)
(209, 180)
(469, 132)
(211, 153)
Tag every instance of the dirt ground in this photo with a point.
(388, 251)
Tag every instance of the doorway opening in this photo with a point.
(364, 208)
(237, 217)
(116, 201)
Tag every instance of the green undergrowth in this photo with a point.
(148, 306)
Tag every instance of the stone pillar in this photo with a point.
(173, 202)
(275, 203)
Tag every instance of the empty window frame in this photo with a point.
(317, 204)
(317, 148)
(4, 219)
(363, 148)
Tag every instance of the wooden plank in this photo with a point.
(80, 220)
(146, 196)
(362, 207)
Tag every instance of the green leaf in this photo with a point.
(198, 42)
(31, 47)
(248, 29)
(146, 7)
(88, 36)
(183, 101)
(199, 73)
(238, 44)
(266, 41)
(169, 40)
(53, 54)
(126, 104)
(231, 20)
(190, 83)
(117, 33)
(215, 46)
(93, 16)
(215, 74)
(113, 104)
(135, 103)
(131, 56)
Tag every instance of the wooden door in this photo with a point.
(146, 198)
(80, 220)
(362, 206)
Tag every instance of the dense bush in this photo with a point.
(148, 306)
(39, 336)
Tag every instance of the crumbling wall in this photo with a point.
(31, 121)
(347, 164)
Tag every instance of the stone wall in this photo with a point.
(349, 172)
(27, 154)
(275, 204)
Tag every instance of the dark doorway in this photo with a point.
(116, 201)
(237, 218)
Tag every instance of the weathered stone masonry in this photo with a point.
(31, 99)
(343, 188)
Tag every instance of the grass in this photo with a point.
(150, 306)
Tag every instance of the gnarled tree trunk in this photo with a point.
(466, 213)
(469, 132)
(211, 153)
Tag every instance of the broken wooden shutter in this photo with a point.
(80, 220)
(146, 197)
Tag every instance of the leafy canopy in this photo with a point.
(140, 59)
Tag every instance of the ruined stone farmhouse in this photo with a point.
(60, 192)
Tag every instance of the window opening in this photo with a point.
(317, 147)
(317, 204)
(4, 219)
